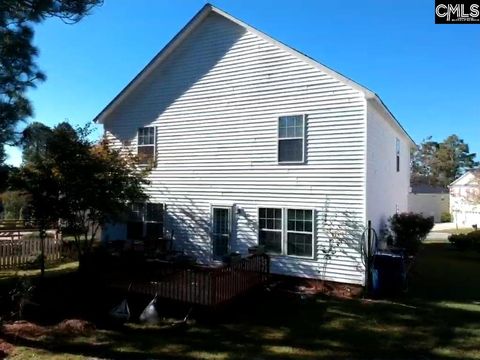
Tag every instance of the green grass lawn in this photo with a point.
(439, 318)
(49, 271)
(455, 231)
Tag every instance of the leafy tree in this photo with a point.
(96, 182)
(14, 204)
(77, 184)
(441, 163)
(18, 70)
(38, 179)
(5, 171)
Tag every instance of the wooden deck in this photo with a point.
(200, 285)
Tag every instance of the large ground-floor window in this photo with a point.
(286, 231)
(145, 221)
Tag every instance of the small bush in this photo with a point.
(446, 217)
(408, 230)
(470, 241)
(33, 262)
(20, 295)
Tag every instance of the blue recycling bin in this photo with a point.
(388, 273)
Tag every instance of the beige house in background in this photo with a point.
(465, 199)
(429, 201)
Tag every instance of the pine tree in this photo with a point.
(439, 164)
(18, 70)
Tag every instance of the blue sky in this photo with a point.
(427, 74)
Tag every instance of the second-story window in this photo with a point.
(146, 145)
(397, 152)
(291, 139)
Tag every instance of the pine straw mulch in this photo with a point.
(22, 330)
(5, 349)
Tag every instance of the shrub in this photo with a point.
(20, 295)
(446, 217)
(408, 230)
(466, 241)
(33, 262)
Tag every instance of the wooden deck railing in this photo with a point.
(208, 286)
(234, 279)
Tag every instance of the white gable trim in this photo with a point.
(460, 178)
(194, 22)
(160, 57)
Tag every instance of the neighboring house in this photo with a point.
(429, 200)
(252, 142)
(465, 199)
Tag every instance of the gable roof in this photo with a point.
(191, 26)
(428, 189)
(474, 172)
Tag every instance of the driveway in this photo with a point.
(436, 235)
(441, 231)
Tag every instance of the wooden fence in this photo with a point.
(208, 286)
(17, 224)
(18, 252)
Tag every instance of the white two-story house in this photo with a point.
(251, 142)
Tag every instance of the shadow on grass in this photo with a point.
(291, 330)
(443, 273)
(429, 323)
(52, 270)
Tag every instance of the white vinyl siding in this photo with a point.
(387, 188)
(216, 102)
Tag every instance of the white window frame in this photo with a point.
(154, 145)
(312, 233)
(143, 216)
(285, 231)
(303, 138)
(272, 230)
